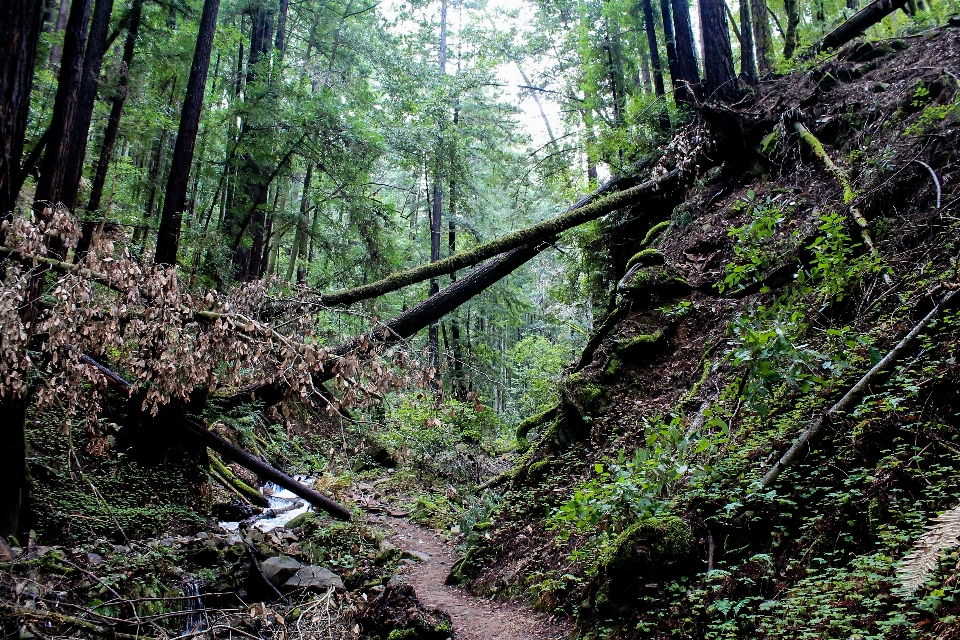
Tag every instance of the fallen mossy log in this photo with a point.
(232, 452)
(848, 193)
(237, 484)
(853, 395)
(525, 427)
(402, 326)
(859, 22)
(587, 209)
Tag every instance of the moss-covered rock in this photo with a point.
(641, 345)
(646, 552)
(648, 283)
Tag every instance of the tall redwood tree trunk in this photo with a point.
(719, 77)
(762, 38)
(793, 21)
(436, 213)
(687, 65)
(168, 237)
(52, 187)
(90, 79)
(113, 128)
(19, 34)
(748, 60)
(651, 29)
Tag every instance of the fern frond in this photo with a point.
(942, 534)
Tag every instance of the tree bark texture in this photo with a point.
(52, 187)
(20, 22)
(168, 237)
(719, 77)
(687, 65)
(762, 38)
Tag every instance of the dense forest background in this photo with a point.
(338, 236)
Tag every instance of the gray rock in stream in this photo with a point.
(315, 579)
(280, 569)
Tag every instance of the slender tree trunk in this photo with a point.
(793, 21)
(687, 65)
(52, 187)
(748, 60)
(92, 60)
(720, 80)
(168, 237)
(113, 128)
(280, 42)
(763, 40)
(645, 80)
(436, 214)
(457, 385)
(651, 29)
(301, 232)
(20, 22)
(681, 94)
(57, 50)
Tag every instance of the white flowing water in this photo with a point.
(278, 498)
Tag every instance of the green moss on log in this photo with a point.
(647, 258)
(655, 232)
(524, 428)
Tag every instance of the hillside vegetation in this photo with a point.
(644, 508)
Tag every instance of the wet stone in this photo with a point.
(314, 578)
(280, 569)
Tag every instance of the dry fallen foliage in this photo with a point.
(167, 340)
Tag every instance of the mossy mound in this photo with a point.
(653, 282)
(644, 553)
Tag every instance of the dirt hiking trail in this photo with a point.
(473, 618)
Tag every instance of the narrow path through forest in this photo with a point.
(473, 618)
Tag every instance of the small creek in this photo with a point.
(279, 498)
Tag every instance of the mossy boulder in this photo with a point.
(641, 345)
(653, 282)
(645, 553)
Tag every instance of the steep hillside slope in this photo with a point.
(737, 322)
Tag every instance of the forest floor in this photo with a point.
(474, 618)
